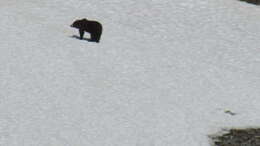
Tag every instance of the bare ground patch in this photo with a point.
(238, 137)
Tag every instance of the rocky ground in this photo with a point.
(257, 2)
(238, 137)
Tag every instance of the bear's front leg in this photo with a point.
(81, 33)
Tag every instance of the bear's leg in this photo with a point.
(81, 33)
(95, 37)
(92, 37)
(98, 37)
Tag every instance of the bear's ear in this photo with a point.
(84, 19)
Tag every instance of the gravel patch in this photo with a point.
(238, 137)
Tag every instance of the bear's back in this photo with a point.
(94, 26)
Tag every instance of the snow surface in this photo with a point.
(163, 74)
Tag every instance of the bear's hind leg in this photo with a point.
(93, 37)
(96, 38)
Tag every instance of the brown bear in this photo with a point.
(90, 26)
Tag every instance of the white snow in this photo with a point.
(163, 74)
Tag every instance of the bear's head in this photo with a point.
(79, 23)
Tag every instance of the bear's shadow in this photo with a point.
(77, 37)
